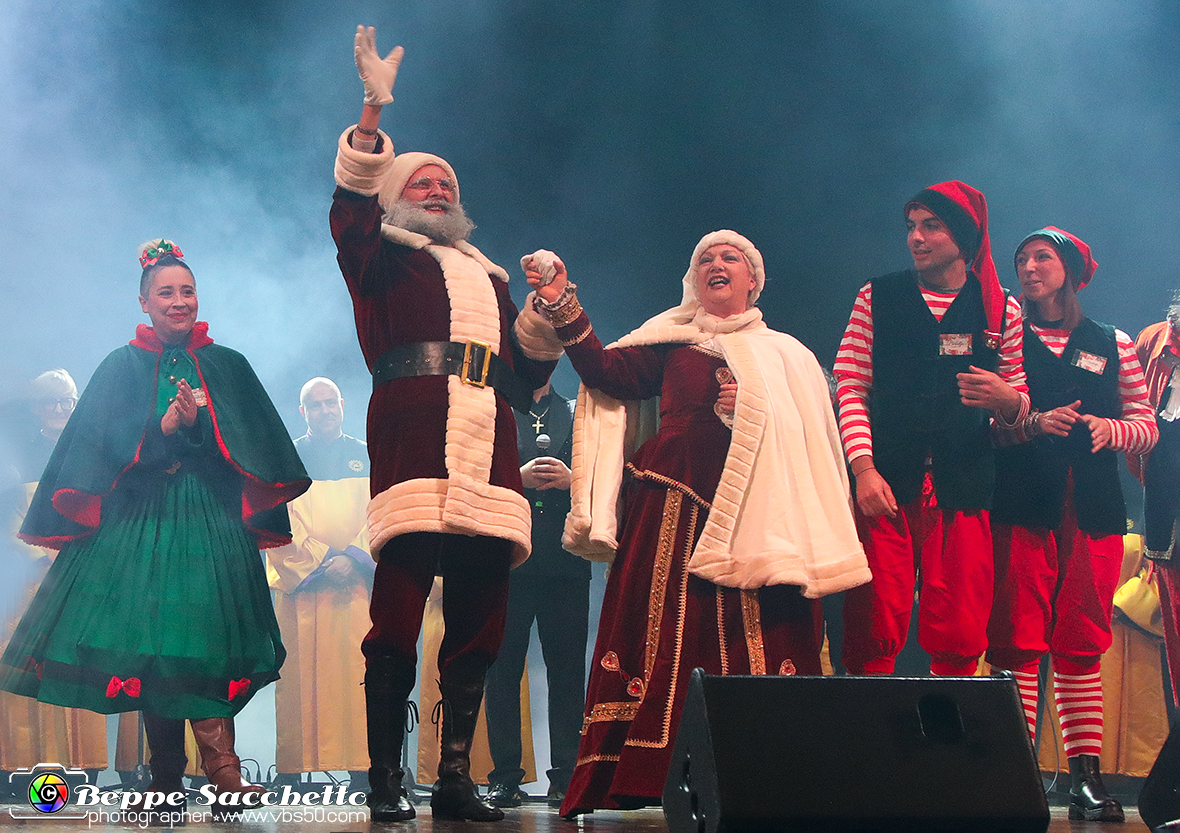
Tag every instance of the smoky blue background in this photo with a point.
(613, 133)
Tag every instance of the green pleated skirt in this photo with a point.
(165, 609)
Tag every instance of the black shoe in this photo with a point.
(506, 795)
(555, 796)
(456, 798)
(387, 798)
(1088, 798)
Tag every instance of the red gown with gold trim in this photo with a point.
(658, 621)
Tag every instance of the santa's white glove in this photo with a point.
(378, 75)
(543, 261)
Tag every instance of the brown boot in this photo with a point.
(223, 768)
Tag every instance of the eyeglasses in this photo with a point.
(425, 183)
(66, 404)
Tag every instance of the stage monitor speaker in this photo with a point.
(827, 754)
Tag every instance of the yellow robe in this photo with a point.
(320, 701)
(32, 732)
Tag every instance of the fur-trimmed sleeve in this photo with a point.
(536, 336)
(360, 171)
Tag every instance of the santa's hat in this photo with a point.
(404, 166)
(964, 211)
(1073, 251)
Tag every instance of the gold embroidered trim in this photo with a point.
(752, 620)
(701, 349)
(664, 480)
(590, 759)
(659, 579)
(666, 730)
(580, 337)
(721, 630)
(605, 712)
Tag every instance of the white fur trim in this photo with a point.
(489, 267)
(782, 511)
(536, 336)
(359, 171)
(418, 506)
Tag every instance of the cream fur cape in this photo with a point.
(465, 502)
(782, 513)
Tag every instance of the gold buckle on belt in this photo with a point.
(471, 359)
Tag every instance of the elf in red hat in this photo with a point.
(1058, 517)
(930, 357)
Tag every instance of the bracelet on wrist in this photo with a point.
(563, 309)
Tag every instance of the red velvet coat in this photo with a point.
(400, 297)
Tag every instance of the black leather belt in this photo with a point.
(472, 361)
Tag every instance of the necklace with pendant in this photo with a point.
(538, 418)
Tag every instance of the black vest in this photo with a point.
(914, 405)
(1030, 489)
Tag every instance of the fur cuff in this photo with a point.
(535, 335)
(360, 172)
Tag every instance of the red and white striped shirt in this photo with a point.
(854, 365)
(1136, 432)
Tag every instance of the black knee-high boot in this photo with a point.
(455, 795)
(165, 737)
(388, 683)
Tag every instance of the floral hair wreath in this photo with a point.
(151, 252)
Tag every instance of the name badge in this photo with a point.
(200, 397)
(1090, 362)
(954, 344)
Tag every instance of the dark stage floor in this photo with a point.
(532, 818)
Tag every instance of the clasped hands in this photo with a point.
(181, 411)
(1060, 421)
(545, 473)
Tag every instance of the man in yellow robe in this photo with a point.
(33, 732)
(322, 582)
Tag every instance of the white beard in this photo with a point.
(447, 228)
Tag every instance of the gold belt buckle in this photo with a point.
(471, 359)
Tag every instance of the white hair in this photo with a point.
(53, 384)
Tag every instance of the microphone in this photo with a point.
(543, 442)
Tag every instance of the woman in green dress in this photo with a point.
(174, 470)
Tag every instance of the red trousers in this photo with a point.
(948, 554)
(475, 600)
(1054, 594)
